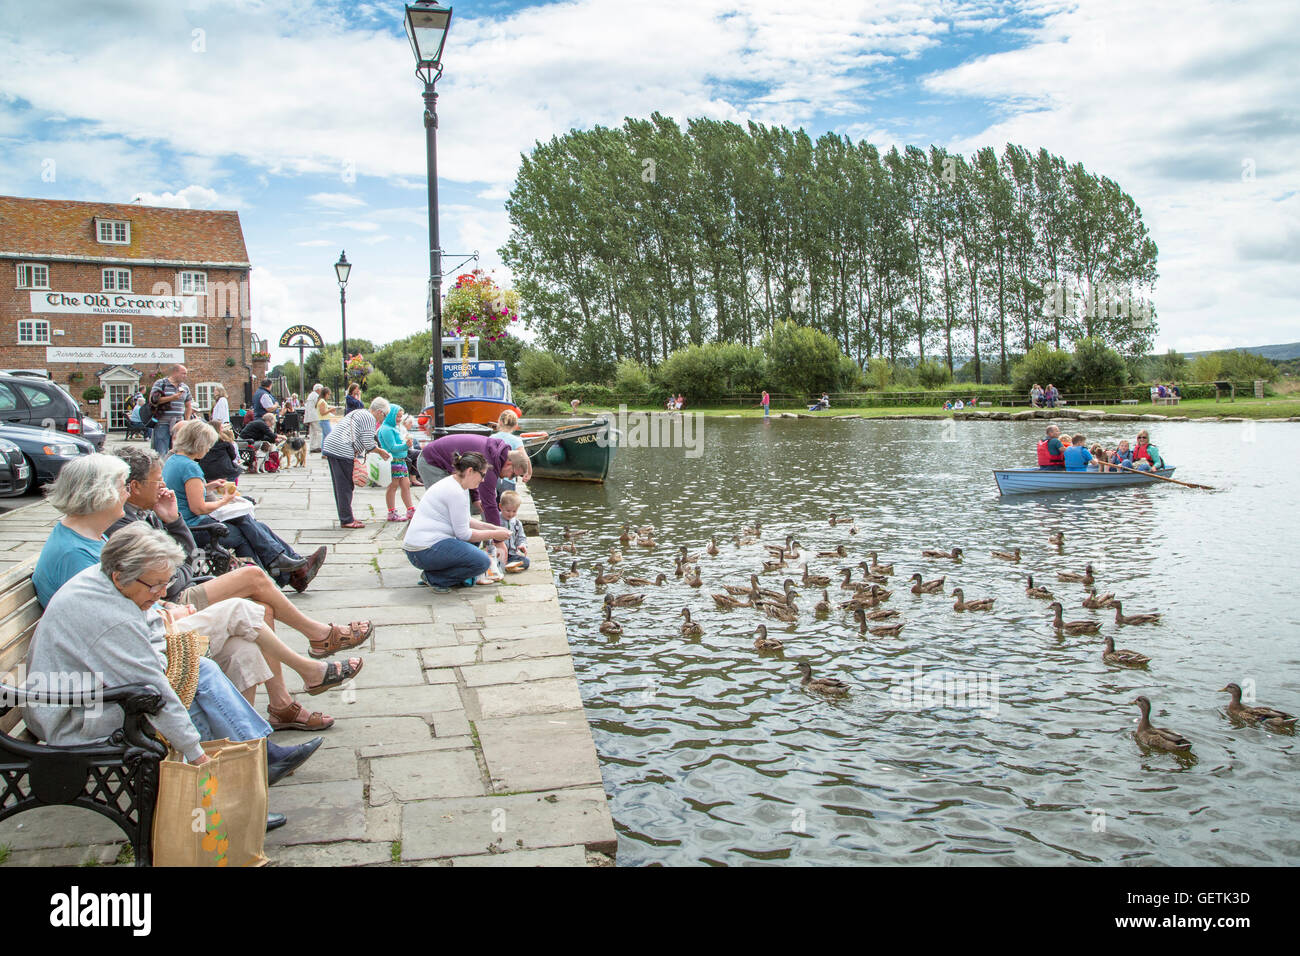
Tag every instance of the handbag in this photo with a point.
(212, 815)
(360, 473)
(184, 648)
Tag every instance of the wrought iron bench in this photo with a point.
(117, 778)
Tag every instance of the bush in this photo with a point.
(932, 374)
(632, 379)
(538, 370)
(586, 392)
(541, 405)
(1096, 366)
(851, 378)
(707, 372)
(92, 394)
(1170, 367)
(880, 372)
(1207, 368)
(801, 360)
(1043, 365)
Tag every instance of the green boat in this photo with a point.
(582, 451)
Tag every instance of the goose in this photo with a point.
(1057, 539)
(615, 556)
(877, 567)
(570, 535)
(1072, 627)
(1157, 738)
(603, 578)
(658, 581)
(1122, 618)
(953, 555)
(624, 600)
(1270, 718)
(823, 607)
(1086, 577)
(839, 552)
(979, 604)
(1036, 592)
(1012, 555)
(690, 628)
(571, 573)
(764, 643)
(1122, 656)
(726, 602)
(712, 549)
(1096, 603)
(609, 625)
(829, 686)
(814, 580)
(927, 587)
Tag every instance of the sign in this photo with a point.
(115, 356)
(314, 341)
(116, 303)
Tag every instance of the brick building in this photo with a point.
(113, 294)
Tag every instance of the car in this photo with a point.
(93, 433)
(45, 450)
(27, 399)
(15, 473)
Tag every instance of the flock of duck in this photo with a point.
(865, 598)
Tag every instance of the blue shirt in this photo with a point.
(65, 555)
(510, 438)
(1077, 458)
(177, 470)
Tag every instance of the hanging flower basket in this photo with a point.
(358, 368)
(261, 356)
(477, 306)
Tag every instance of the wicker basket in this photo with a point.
(184, 650)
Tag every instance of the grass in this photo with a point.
(500, 599)
(126, 856)
(5, 850)
(395, 851)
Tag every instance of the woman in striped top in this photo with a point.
(350, 439)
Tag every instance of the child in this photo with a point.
(392, 441)
(517, 546)
(1123, 455)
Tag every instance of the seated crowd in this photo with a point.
(1073, 453)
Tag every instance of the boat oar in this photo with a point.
(1152, 474)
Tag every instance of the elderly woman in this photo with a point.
(90, 491)
(104, 622)
(347, 441)
(440, 539)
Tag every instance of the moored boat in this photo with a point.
(474, 392)
(582, 451)
(1021, 481)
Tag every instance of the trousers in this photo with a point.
(449, 562)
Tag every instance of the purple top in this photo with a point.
(440, 453)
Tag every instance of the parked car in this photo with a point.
(45, 451)
(15, 473)
(27, 399)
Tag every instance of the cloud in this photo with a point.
(336, 200)
(191, 197)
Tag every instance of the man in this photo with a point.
(1051, 453)
(170, 400)
(264, 401)
(262, 429)
(437, 460)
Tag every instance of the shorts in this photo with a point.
(194, 594)
(399, 468)
(231, 628)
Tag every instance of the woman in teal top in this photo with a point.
(390, 439)
(90, 491)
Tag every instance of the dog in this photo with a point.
(293, 451)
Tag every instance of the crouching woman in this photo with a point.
(441, 538)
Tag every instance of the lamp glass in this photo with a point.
(342, 268)
(426, 28)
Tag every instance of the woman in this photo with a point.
(220, 408)
(1146, 456)
(353, 401)
(248, 536)
(325, 413)
(1036, 396)
(221, 463)
(91, 492)
(507, 428)
(440, 539)
(350, 440)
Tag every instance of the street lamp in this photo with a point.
(341, 269)
(426, 26)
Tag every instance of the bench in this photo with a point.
(1128, 401)
(117, 778)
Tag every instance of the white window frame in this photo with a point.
(111, 226)
(117, 274)
(202, 396)
(117, 338)
(198, 335)
(29, 281)
(38, 327)
(197, 282)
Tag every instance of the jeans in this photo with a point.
(221, 711)
(449, 562)
(252, 539)
(429, 474)
(513, 556)
(162, 438)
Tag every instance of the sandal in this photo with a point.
(296, 717)
(341, 639)
(354, 524)
(336, 675)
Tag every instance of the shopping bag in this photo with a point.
(360, 474)
(379, 470)
(212, 815)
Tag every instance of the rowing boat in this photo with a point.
(1023, 481)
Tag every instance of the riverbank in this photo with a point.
(462, 743)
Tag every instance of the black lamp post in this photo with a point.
(341, 269)
(426, 26)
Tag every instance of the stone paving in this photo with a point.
(462, 743)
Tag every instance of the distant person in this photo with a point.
(220, 408)
(264, 401)
(1051, 396)
(1036, 396)
(766, 403)
(171, 401)
(353, 401)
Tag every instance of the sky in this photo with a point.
(306, 118)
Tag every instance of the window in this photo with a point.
(117, 333)
(117, 280)
(194, 283)
(8, 400)
(194, 334)
(203, 398)
(33, 332)
(33, 276)
(35, 397)
(115, 231)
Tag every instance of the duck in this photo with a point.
(570, 535)
(1037, 592)
(877, 567)
(1057, 539)
(778, 549)
(784, 596)
(1012, 555)
(1096, 603)
(792, 551)
(755, 530)
(687, 558)
(833, 519)
(870, 597)
(848, 584)
(626, 537)
(603, 578)
(853, 528)
(693, 578)
(615, 556)
(814, 580)
(979, 604)
(659, 580)
(870, 576)
(568, 547)
(823, 607)
(953, 555)
(1086, 577)
(786, 613)
(736, 589)
(886, 630)
(1157, 738)
(1073, 627)
(764, 643)
(646, 529)
(1122, 656)
(624, 600)
(1270, 718)
(726, 602)
(777, 565)
(839, 552)
(571, 573)
(927, 587)
(881, 614)
(609, 625)
(690, 628)
(646, 541)
(862, 617)
(1122, 618)
(712, 549)
(829, 686)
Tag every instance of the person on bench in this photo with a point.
(262, 429)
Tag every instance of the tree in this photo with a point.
(539, 369)
(800, 359)
(1171, 367)
(1042, 365)
(1095, 365)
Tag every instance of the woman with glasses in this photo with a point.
(442, 537)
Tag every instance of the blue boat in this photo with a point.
(1024, 481)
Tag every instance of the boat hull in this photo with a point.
(579, 452)
(1023, 481)
(473, 411)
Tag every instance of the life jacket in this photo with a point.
(1143, 452)
(1046, 458)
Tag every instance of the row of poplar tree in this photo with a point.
(638, 241)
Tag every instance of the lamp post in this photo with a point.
(341, 269)
(426, 27)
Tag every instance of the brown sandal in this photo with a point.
(296, 717)
(336, 675)
(341, 639)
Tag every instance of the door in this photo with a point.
(118, 394)
(12, 408)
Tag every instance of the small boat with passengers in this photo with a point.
(1021, 481)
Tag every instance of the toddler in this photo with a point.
(517, 545)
